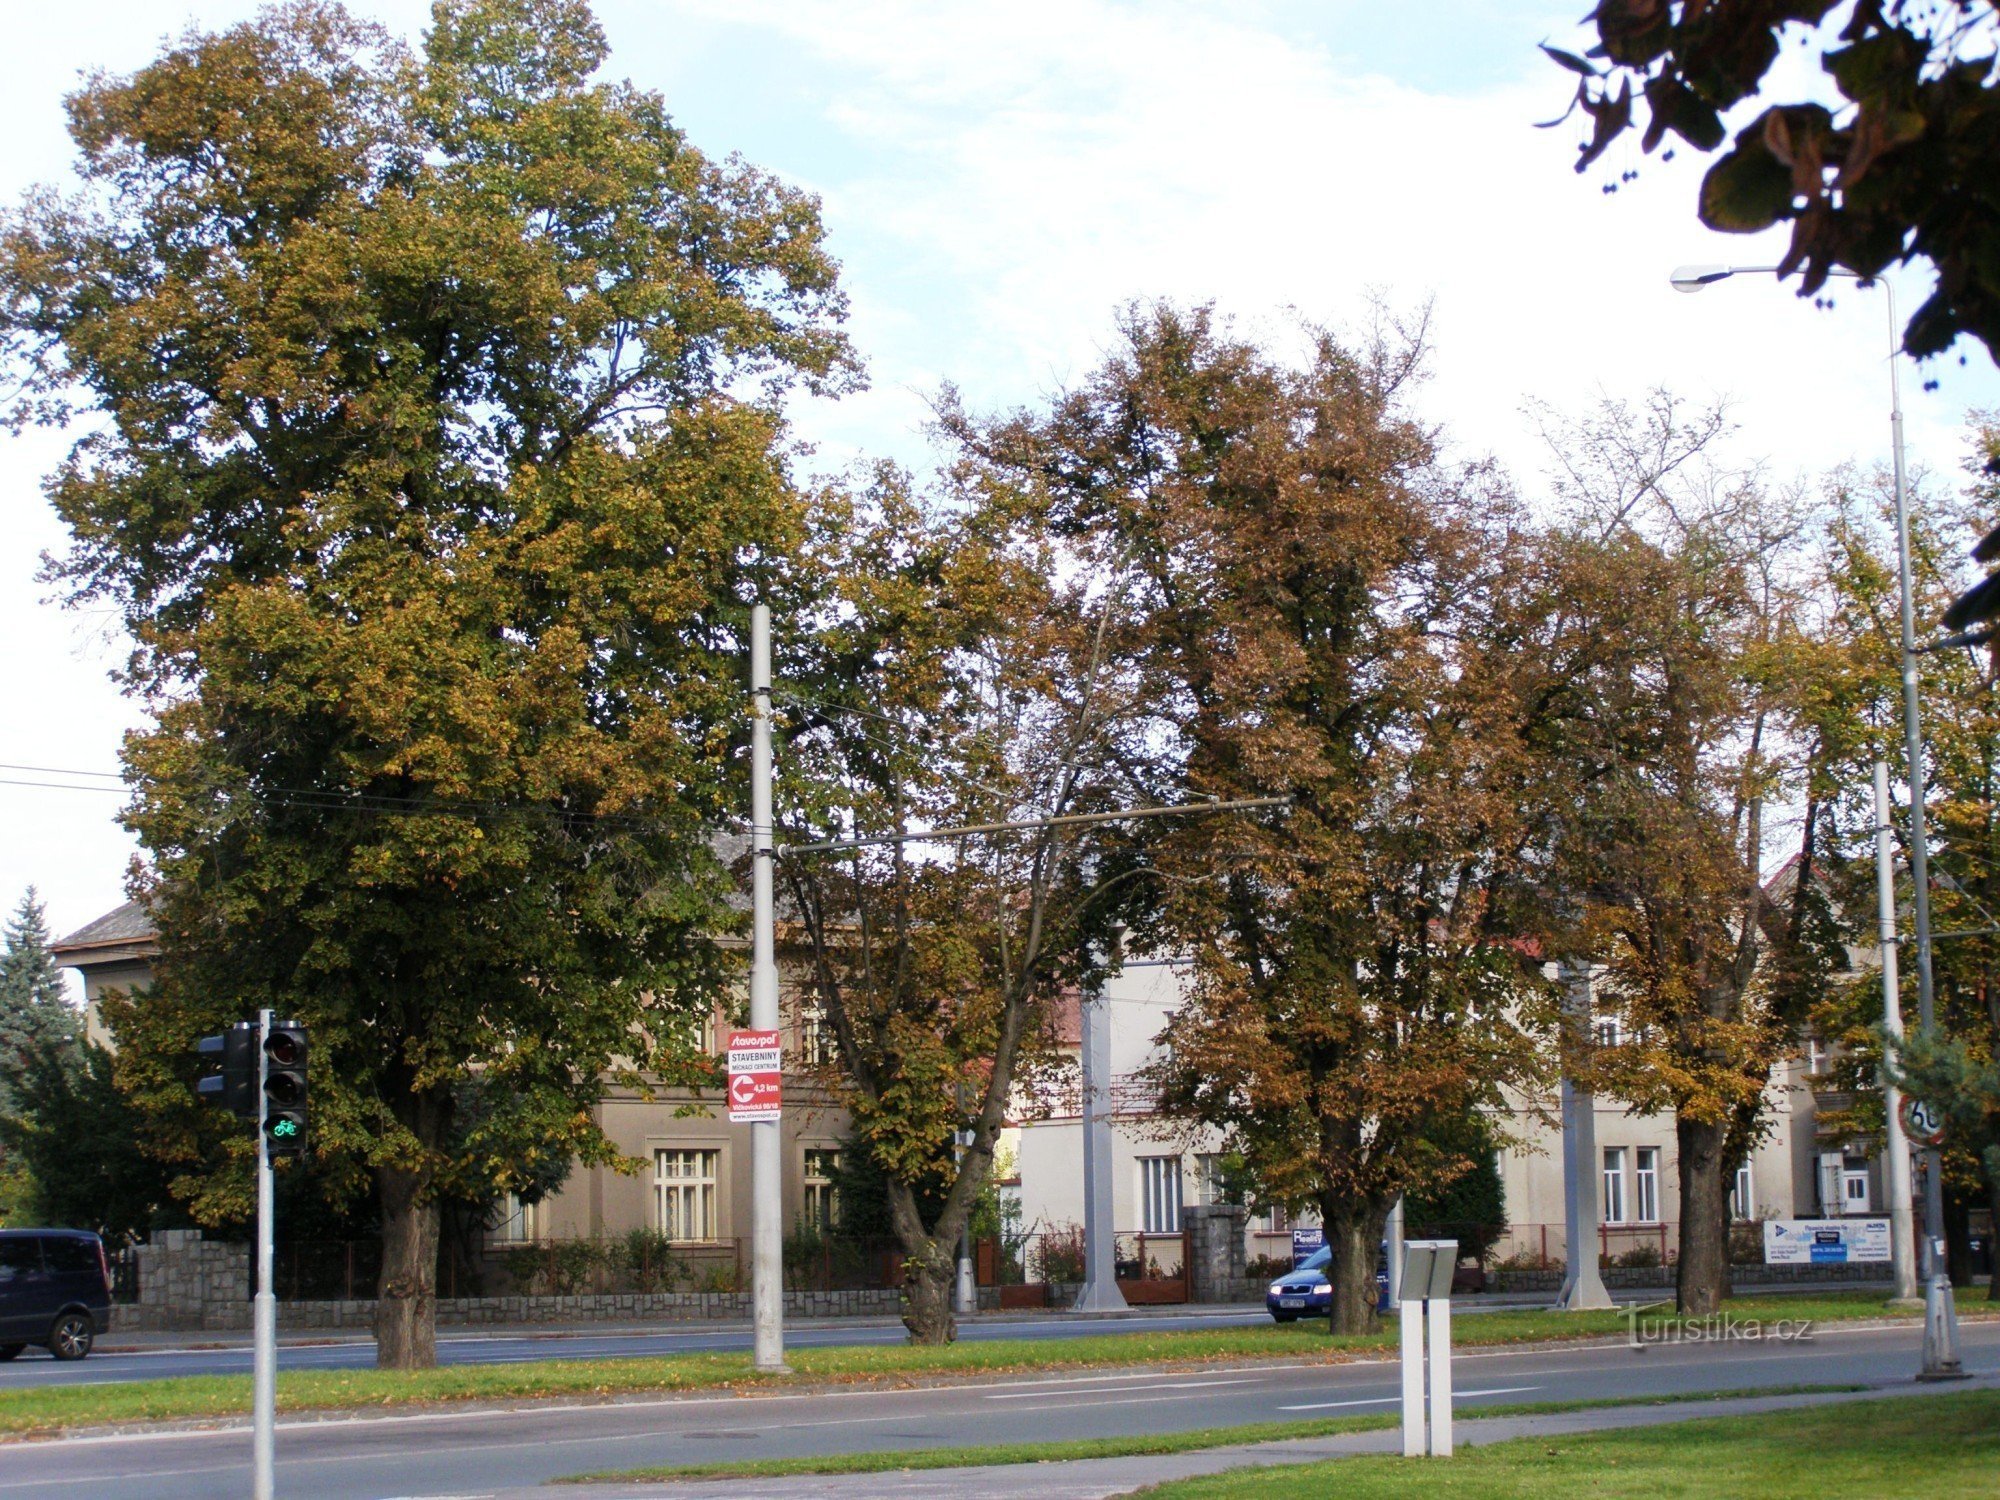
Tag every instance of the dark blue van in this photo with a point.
(55, 1291)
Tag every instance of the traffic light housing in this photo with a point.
(285, 1088)
(234, 1087)
(1978, 604)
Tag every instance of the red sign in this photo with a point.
(756, 1076)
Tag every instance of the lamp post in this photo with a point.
(1940, 1360)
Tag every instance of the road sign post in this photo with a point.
(264, 1309)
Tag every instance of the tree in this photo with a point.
(429, 482)
(942, 673)
(34, 1002)
(1661, 634)
(1303, 622)
(76, 1134)
(1903, 167)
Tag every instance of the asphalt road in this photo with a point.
(463, 1454)
(36, 1367)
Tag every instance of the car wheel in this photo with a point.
(11, 1351)
(1284, 1317)
(72, 1336)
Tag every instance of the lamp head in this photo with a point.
(1694, 278)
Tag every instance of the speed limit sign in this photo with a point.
(1922, 1122)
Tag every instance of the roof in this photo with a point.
(127, 925)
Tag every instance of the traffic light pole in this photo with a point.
(264, 1400)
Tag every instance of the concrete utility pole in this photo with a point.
(767, 1163)
(1582, 1287)
(1100, 1291)
(264, 1307)
(1901, 1228)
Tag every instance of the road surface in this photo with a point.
(461, 1453)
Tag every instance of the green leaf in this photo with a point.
(1747, 190)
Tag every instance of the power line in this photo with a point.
(1067, 820)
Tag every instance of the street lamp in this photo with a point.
(1941, 1360)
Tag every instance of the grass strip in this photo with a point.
(41, 1410)
(978, 1456)
(1942, 1447)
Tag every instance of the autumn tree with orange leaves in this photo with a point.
(1307, 618)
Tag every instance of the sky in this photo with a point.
(998, 181)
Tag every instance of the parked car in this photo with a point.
(55, 1291)
(1305, 1292)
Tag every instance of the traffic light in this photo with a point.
(235, 1087)
(285, 1088)
(1978, 604)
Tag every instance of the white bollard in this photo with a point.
(1440, 1368)
(1413, 1378)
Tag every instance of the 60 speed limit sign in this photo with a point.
(1922, 1123)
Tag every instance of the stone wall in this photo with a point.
(186, 1284)
(1214, 1251)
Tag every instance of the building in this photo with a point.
(694, 1187)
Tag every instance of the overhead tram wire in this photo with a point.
(970, 830)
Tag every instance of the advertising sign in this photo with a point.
(1825, 1242)
(1305, 1242)
(756, 1074)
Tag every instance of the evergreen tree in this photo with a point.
(35, 1012)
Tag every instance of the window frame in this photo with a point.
(1158, 1184)
(1612, 1187)
(704, 1191)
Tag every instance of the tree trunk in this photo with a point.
(406, 1296)
(1704, 1258)
(927, 1286)
(406, 1299)
(1354, 1233)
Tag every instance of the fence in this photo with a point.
(124, 1263)
(1043, 1268)
(1537, 1247)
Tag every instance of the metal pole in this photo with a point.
(965, 1298)
(264, 1309)
(1410, 1321)
(1940, 1359)
(1901, 1228)
(1395, 1237)
(1438, 1311)
(767, 1208)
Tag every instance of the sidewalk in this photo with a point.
(1100, 1478)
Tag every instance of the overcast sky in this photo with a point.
(998, 179)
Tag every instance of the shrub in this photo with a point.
(1061, 1253)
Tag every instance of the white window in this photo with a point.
(1854, 1195)
(1607, 1031)
(684, 1193)
(816, 1043)
(1614, 1185)
(1743, 1196)
(1160, 1194)
(822, 1205)
(1818, 1059)
(1208, 1178)
(1646, 1186)
(519, 1222)
(1272, 1220)
(1829, 1183)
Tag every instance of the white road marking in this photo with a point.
(1112, 1390)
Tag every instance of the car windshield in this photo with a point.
(1319, 1260)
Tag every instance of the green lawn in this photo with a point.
(39, 1410)
(1937, 1447)
(1071, 1449)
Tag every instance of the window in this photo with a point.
(20, 1257)
(816, 1043)
(1211, 1181)
(1854, 1195)
(1614, 1185)
(1160, 1194)
(519, 1222)
(1607, 1031)
(684, 1193)
(1743, 1196)
(822, 1205)
(1818, 1059)
(1646, 1186)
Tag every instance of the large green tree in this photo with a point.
(432, 449)
(34, 1002)
(1898, 162)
